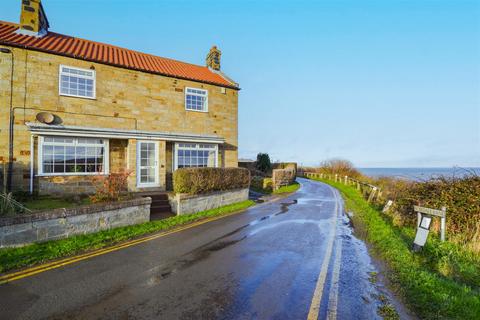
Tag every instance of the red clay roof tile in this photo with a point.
(56, 43)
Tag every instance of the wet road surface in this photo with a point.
(290, 259)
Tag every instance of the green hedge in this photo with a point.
(203, 180)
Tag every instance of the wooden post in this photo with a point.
(387, 206)
(443, 224)
(346, 180)
(372, 194)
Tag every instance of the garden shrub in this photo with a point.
(203, 180)
(262, 184)
(111, 187)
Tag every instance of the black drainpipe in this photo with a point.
(11, 120)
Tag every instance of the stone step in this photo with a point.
(160, 202)
(160, 210)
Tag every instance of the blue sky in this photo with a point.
(382, 83)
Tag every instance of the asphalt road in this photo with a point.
(290, 259)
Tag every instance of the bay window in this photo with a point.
(72, 156)
(195, 155)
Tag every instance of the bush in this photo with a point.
(461, 196)
(263, 162)
(262, 184)
(203, 180)
(111, 187)
(339, 166)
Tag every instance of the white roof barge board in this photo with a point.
(59, 130)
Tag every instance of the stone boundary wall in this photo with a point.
(63, 223)
(282, 177)
(187, 204)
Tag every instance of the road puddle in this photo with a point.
(201, 253)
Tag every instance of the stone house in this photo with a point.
(73, 109)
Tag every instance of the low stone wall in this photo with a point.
(66, 185)
(62, 223)
(187, 204)
(282, 177)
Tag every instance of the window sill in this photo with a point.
(206, 111)
(70, 174)
(80, 97)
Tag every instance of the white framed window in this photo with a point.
(195, 155)
(196, 99)
(76, 82)
(72, 156)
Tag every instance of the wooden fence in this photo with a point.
(370, 191)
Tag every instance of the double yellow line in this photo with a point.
(314, 310)
(63, 262)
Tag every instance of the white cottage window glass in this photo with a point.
(75, 82)
(72, 156)
(196, 99)
(195, 155)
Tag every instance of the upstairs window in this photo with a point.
(196, 99)
(75, 82)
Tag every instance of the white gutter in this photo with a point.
(58, 130)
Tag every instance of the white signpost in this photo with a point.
(425, 216)
(387, 206)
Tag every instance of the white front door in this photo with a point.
(147, 164)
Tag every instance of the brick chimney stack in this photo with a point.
(33, 20)
(213, 58)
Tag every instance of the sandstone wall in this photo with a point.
(125, 99)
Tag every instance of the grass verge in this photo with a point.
(15, 258)
(431, 294)
(287, 189)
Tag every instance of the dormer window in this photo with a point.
(196, 99)
(75, 82)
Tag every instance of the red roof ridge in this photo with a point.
(103, 53)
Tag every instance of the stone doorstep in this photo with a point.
(68, 212)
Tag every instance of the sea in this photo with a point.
(420, 173)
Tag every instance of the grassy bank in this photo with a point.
(441, 282)
(14, 258)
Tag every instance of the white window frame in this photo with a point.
(80, 76)
(176, 148)
(198, 95)
(106, 158)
